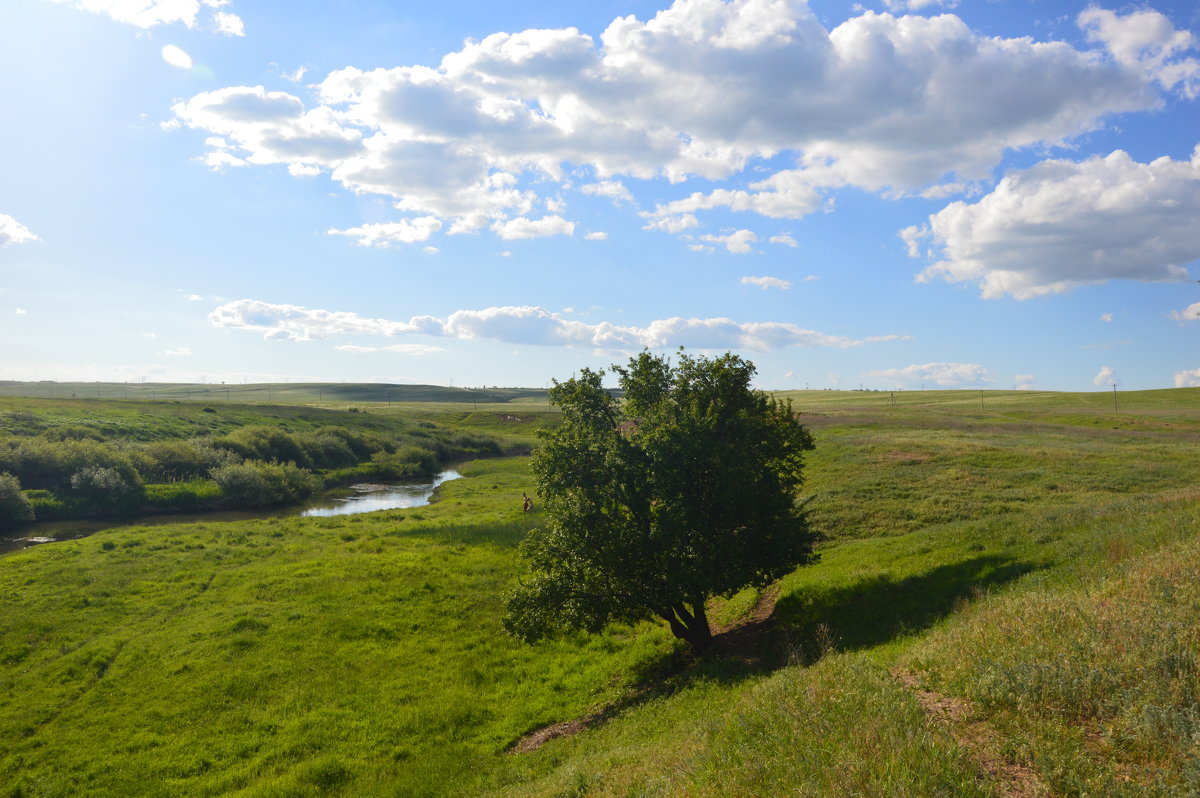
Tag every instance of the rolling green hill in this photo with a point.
(1006, 605)
(281, 393)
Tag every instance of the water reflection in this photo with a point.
(367, 498)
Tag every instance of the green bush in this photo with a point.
(14, 506)
(256, 483)
(106, 487)
(174, 461)
(269, 444)
(406, 462)
(51, 465)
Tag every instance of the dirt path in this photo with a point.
(982, 744)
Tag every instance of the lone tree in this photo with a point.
(684, 490)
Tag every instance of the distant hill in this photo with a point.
(287, 393)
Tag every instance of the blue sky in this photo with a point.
(904, 194)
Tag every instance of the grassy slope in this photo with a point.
(361, 655)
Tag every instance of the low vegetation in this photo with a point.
(978, 562)
(63, 463)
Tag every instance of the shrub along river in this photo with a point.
(362, 498)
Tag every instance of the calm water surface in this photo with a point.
(363, 498)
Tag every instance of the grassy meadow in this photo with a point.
(1028, 559)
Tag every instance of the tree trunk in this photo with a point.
(691, 627)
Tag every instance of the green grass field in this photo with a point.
(1029, 558)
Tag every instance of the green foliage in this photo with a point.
(255, 483)
(51, 465)
(172, 461)
(189, 496)
(14, 506)
(686, 491)
(105, 486)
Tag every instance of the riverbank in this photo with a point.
(346, 500)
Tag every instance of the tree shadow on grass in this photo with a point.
(804, 626)
(808, 623)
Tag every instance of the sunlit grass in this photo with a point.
(1026, 559)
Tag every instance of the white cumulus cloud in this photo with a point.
(384, 234)
(739, 242)
(705, 89)
(403, 349)
(533, 228)
(598, 235)
(944, 375)
(150, 13)
(526, 325)
(767, 282)
(613, 189)
(1106, 317)
(1106, 377)
(1187, 379)
(784, 239)
(1061, 224)
(1190, 313)
(1146, 40)
(13, 232)
(1025, 382)
(229, 24)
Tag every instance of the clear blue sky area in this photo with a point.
(905, 194)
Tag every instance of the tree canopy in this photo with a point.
(683, 489)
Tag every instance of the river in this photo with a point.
(362, 498)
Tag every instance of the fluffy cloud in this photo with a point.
(1106, 318)
(598, 235)
(673, 224)
(1106, 377)
(705, 89)
(525, 325)
(387, 233)
(739, 242)
(944, 375)
(1025, 382)
(767, 282)
(13, 232)
(295, 323)
(531, 228)
(1061, 224)
(1187, 379)
(403, 349)
(149, 13)
(784, 239)
(613, 189)
(1190, 313)
(229, 24)
(1148, 41)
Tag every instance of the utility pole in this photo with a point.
(1115, 398)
